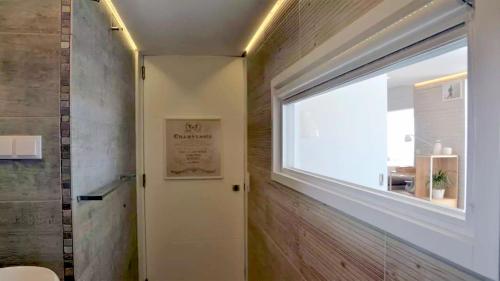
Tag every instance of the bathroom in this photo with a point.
(249, 140)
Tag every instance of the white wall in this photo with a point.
(484, 136)
(400, 122)
(342, 134)
(400, 97)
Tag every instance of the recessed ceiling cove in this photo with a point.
(192, 27)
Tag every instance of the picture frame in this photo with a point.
(452, 90)
(192, 148)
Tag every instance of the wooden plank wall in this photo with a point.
(291, 236)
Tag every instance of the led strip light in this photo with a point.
(263, 25)
(441, 79)
(120, 22)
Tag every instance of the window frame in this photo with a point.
(453, 234)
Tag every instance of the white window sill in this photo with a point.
(420, 222)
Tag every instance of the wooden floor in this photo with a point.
(293, 237)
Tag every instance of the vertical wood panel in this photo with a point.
(290, 233)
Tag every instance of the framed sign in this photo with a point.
(453, 90)
(193, 148)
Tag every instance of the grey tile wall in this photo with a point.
(30, 193)
(32, 180)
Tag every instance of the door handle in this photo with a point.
(236, 188)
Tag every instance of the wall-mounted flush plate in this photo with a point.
(20, 147)
(6, 146)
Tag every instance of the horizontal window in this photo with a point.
(400, 130)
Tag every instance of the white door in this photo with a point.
(194, 227)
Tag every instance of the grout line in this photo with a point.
(29, 201)
(64, 108)
(24, 117)
(29, 33)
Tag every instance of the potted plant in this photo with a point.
(440, 182)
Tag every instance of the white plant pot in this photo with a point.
(437, 193)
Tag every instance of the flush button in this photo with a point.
(6, 149)
(26, 146)
(20, 147)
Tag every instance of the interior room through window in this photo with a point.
(402, 129)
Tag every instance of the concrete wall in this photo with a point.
(30, 190)
(291, 236)
(102, 146)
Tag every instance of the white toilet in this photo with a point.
(27, 273)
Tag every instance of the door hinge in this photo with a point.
(143, 72)
(144, 180)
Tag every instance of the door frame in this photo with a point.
(139, 143)
(140, 169)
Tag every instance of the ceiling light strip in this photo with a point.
(456, 76)
(117, 17)
(263, 25)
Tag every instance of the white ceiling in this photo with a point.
(448, 63)
(192, 27)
